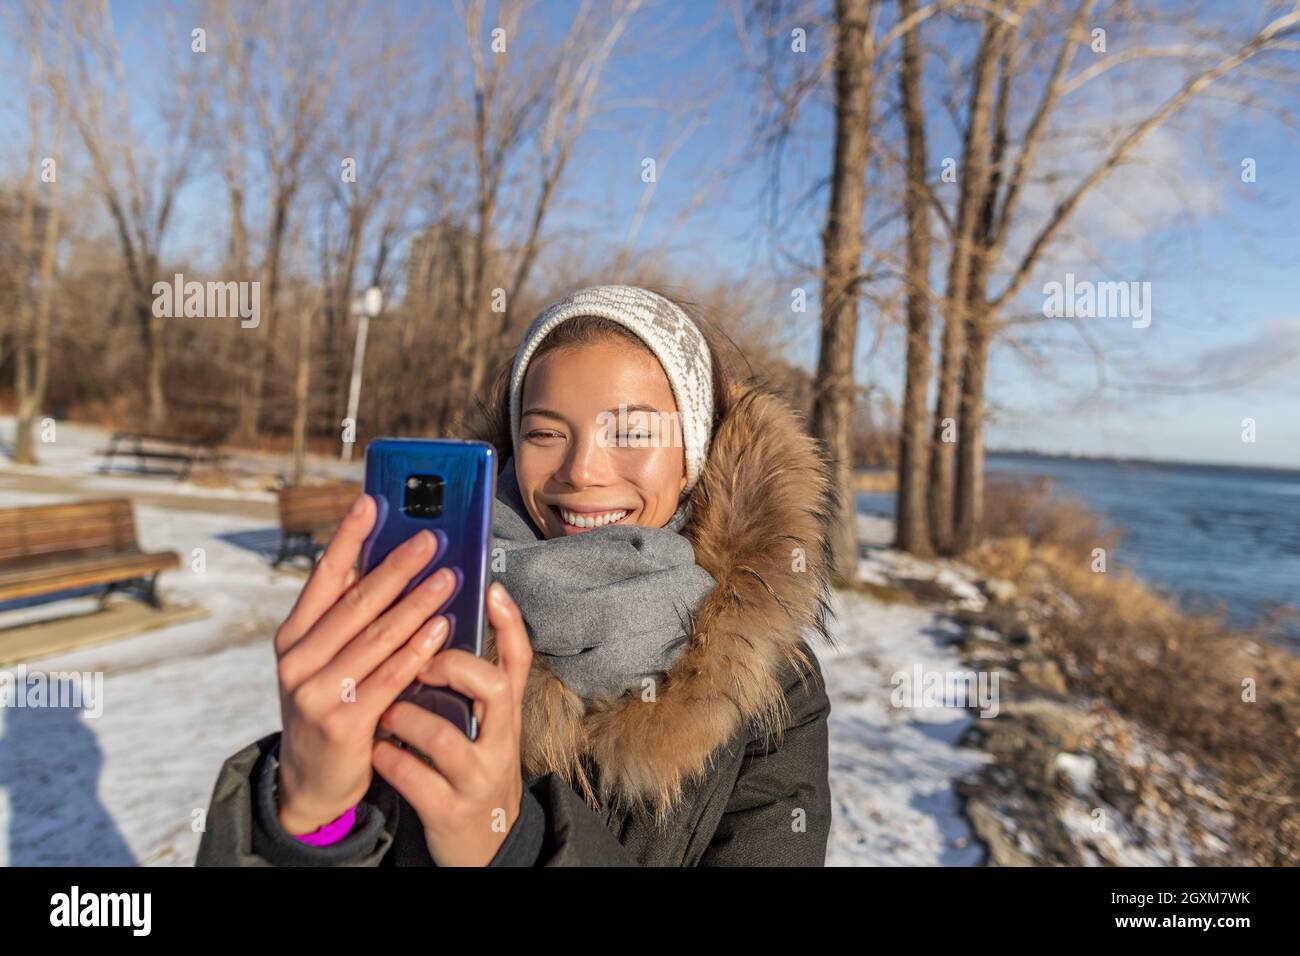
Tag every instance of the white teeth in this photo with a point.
(591, 521)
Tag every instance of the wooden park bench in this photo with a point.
(53, 548)
(163, 454)
(309, 515)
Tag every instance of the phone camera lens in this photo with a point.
(424, 495)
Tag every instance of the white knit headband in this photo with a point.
(671, 336)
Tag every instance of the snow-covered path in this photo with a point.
(892, 769)
(130, 785)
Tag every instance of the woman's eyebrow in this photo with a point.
(538, 410)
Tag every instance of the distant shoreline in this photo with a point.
(1167, 463)
(884, 479)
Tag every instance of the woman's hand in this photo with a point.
(469, 803)
(344, 656)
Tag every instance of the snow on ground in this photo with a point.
(123, 787)
(126, 787)
(892, 769)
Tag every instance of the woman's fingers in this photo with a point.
(482, 682)
(424, 788)
(378, 691)
(333, 574)
(445, 744)
(376, 643)
(513, 647)
(496, 689)
(356, 609)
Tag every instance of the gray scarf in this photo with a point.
(605, 609)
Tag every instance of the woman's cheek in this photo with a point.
(656, 474)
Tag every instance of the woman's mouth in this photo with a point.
(577, 521)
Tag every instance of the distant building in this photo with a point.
(439, 269)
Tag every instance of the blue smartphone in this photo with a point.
(446, 487)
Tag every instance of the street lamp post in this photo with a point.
(365, 307)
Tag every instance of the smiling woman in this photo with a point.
(651, 697)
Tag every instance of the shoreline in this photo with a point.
(1075, 777)
(1266, 610)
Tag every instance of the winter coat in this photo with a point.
(727, 766)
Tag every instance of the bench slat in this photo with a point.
(30, 582)
(306, 509)
(66, 535)
(50, 548)
(73, 527)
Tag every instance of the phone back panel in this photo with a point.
(463, 528)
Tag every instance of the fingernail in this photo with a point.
(436, 635)
(440, 580)
(420, 543)
(437, 632)
(357, 506)
(497, 594)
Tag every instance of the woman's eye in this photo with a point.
(540, 435)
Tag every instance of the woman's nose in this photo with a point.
(587, 461)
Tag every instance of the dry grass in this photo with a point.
(1183, 675)
(876, 481)
(884, 593)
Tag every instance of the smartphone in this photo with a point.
(446, 487)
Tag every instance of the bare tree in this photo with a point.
(912, 524)
(857, 254)
(282, 81)
(390, 135)
(302, 391)
(138, 188)
(974, 177)
(39, 213)
(993, 207)
(547, 106)
(833, 389)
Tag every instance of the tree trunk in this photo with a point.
(24, 325)
(23, 311)
(970, 446)
(302, 395)
(250, 387)
(155, 352)
(33, 370)
(912, 526)
(250, 408)
(157, 356)
(237, 263)
(975, 152)
(969, 503)
(472, 354)
(940, 494)
(833, 388)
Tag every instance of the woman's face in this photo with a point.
(598, 440)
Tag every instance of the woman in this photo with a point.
(647, 696)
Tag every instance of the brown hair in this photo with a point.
(493, 425)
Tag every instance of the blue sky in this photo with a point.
(1222, 256)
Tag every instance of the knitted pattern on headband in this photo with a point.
(671, 336)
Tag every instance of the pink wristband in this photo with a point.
(331, 832)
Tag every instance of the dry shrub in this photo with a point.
(1181, 674)
(1045, 516)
